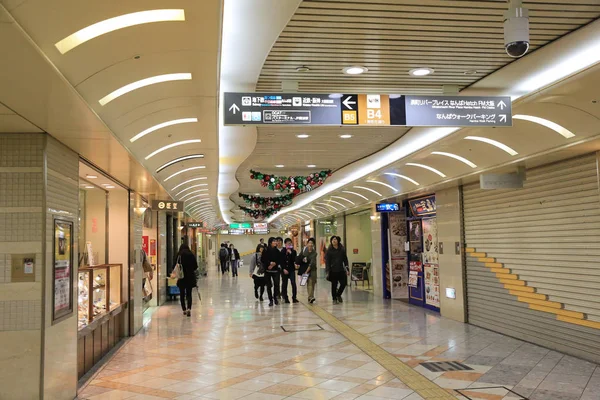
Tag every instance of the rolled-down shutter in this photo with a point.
(533, 258)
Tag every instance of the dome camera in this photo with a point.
(516, 30)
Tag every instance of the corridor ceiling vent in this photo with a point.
(178, 160)
(193, 192)
(337, 202)
(184, 170)
(421, 71)
(494, 143)
(170, 146)
(564, 132)
(369, 189)
(343, 198)
(116, 23)
(192, 187)
(356, 194)
(427, 167)
(328, 205)
(202, 178)
(406, 178)
(384, 184)
(355, 70)
(163, 125)
(143, 83)
(456, 157)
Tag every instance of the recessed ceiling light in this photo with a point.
(116, 23)
(355, 70)
(106, 184)
(421, 71)
(279, 166)
(346, 136)
(471, 72)
(109, 186)
(169, 146)
(395, 96)
(302, 68)
(162, 125)
(142, 83)
(311, 165)
(302, 136)
(89, 187)
(256, 194)
(336, 95)
(91, 176)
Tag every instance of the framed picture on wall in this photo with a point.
(62, 270)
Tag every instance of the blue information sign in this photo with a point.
(387, 207)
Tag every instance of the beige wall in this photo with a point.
(358, 236)
(95, 223)
(243, 243)
(451, 266)
(118, 237)
(376, 266)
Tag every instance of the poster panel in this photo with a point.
(430, 241)
(62, 270)
(399, 259)
(432, 285)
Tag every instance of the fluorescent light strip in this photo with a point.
(113, 24)
(180, 159)
(201, 207)
(456, 157)
(143, 83)
(343, 198)
(170, 146)
(197, 196)
(162, 125)
(402, 177)
(192, 187)
(427, 167)
(324, 210)
(564, 132)
(369, 189)
(337, 202)
(317, 210)
(384, 184)
(192, 192)
(184, 171)
(190, 180)
(356, 194)
(328, 205)
(310, 213)
(196, 201)
(492, 142)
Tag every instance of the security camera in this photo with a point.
(516, 30)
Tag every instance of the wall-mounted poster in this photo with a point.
(399, 259)
(416, 237)
(430, 241)
(432, 285)
(423, 206)
(62, 270)
(413, 279)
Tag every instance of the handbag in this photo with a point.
(304, 280)
(178, 270)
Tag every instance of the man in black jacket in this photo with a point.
(270, 260)
(281, 262)
(289, 272)
(336, 268)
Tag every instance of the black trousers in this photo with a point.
(259, 283)
(284, 285)
(338, 278)
(223, 265)
(272, 282)
(185, 294)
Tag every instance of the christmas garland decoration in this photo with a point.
(262, 202)
(259, 214)
(294, 184)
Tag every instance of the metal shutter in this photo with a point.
(533, 265)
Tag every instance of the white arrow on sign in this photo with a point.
(502, 117)
(348, 103)
(502, 104)
(234, 108)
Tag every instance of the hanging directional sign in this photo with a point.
(165, 205)
(366, 110)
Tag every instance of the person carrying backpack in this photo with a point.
(223, 257)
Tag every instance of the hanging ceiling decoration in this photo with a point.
(294, 184)
(262, 202)
(260, 213)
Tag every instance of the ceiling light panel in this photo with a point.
(184, 171)
(189, 181)
(162, 125)
(494, 143)
(384, 184)
(356, 194)
(192, 187)
(564, 132)
(193, 192)
(456, 157)
(328, 205)
(112, 24)
(427, 167)
(178, 160)
(343, 198)
(143, 83)
(369, 189)
(406, 178)
(170, 146)
(195, 202)
(337, 202)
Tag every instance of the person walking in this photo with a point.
(281, 261)
(257, 272)
(270, 260)
(308, 265)
(234, 257)
(187, 261)
(223, 256)
(288, 273)
(336, 261)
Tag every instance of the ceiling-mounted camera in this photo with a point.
(516, 29)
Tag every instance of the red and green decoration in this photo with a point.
(293, 184)
(260, 213)
(265, 202)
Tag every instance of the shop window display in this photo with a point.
(99, 292)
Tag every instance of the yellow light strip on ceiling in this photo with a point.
(356, 194)
(193, 192)
(456, 157)
(494, 143)
(142, 83)
(116, 23)
(384, 184)
(170, 146)
(402, 177)
(369, 189)
(564, 132)
(427, 167)
(163, 125)
(190, 180)
(192, 187)
(343, 198)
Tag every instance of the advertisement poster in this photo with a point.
(423, 206)
(63, 262)
(432, 285)
(153, 246)
(416, 266)
(430, 241)
(399, 259)
(145, 244)
(416, 237)
(413, 279)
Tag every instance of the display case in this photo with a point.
(99, 292)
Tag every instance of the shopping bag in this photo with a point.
(240, 263)
(304, 280)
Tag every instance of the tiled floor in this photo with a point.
(233, 347)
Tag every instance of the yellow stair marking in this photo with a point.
(469, 250)
(512, 282)
(478, 255)
(486, 260)
(576, 321)
(500, 270)
(507, 276)
(535, 296)
(494, 265)
(527, 289)
(572, 314)
(545, 303)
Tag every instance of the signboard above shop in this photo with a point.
(366, 110)
(423, 206)
(387, 207)
(261, 226)
(195, 225)
(164, 205)
(241, 225)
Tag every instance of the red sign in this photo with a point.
(354, 251)
(153, 247)
(145, 244)
(416, 266)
